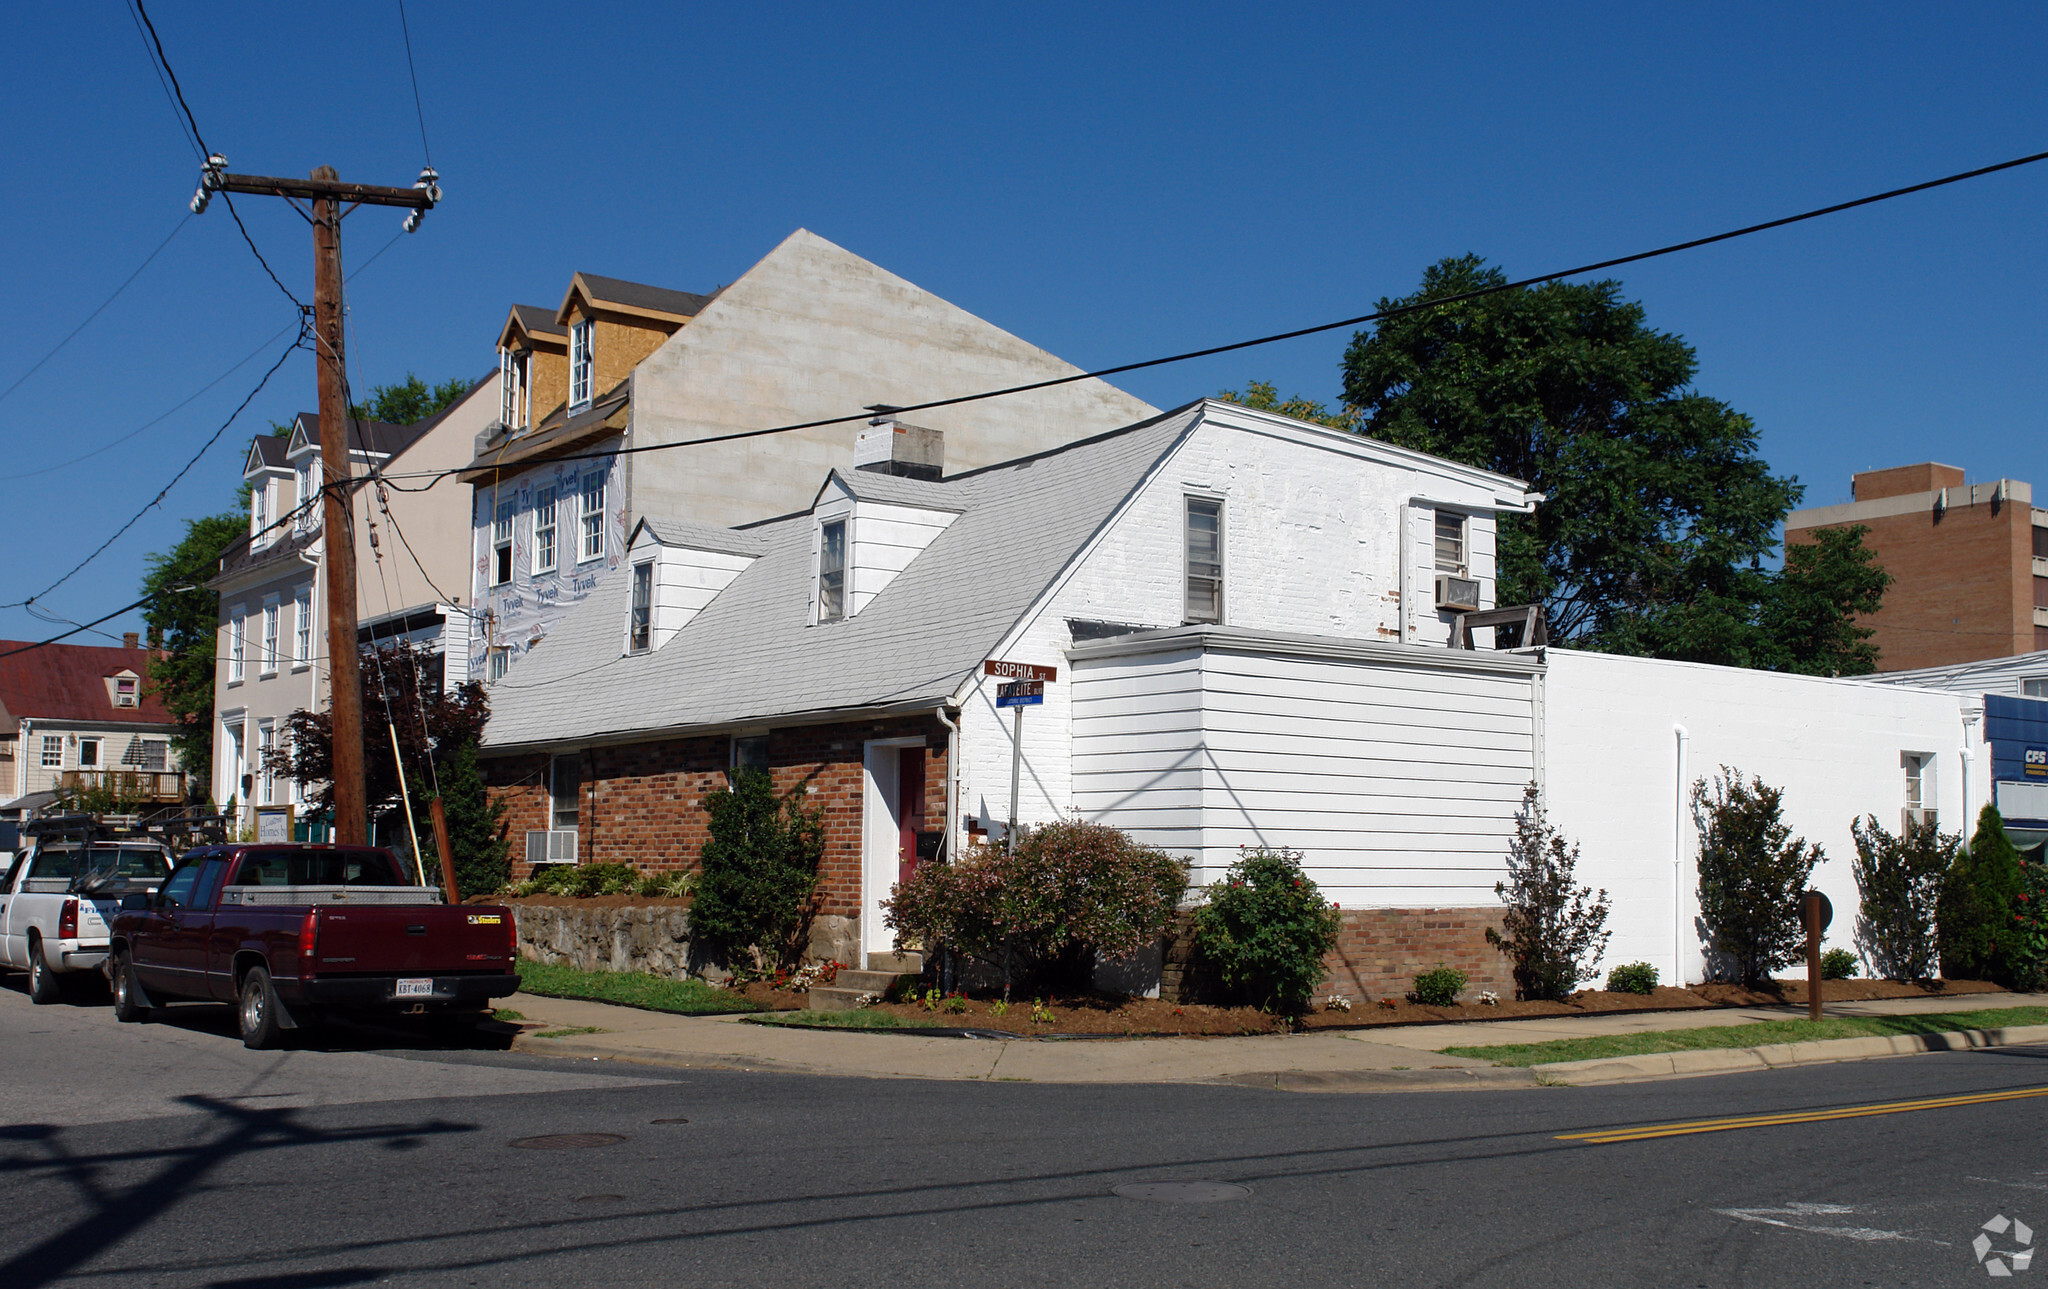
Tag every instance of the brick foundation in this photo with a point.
(643, 804)
(1379, 953)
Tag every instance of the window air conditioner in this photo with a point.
(1457, 592)
(550, 846)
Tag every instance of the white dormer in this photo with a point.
(673, 571)
(269, 480)
(866, 529)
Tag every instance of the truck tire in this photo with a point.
(256, 1014)
(128, 1005)
(43, 986)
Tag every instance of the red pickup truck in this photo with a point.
(287, 932)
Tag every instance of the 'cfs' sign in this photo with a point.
(2036, 763)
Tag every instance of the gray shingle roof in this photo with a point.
(897, 490)
(703, 537)
(539, 320)
(379, 438)
(751, 654)
(639, 295)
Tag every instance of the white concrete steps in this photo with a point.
(884, 971)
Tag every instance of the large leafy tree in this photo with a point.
(1264, 396)
(184, 624)
(1658, 512)
(410, 400)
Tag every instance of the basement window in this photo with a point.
(832, 571)
(1204, 559)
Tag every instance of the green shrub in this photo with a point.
(1975, 926)
(1899, 880)
(2030, 926)
(1838, 964)
(667, 886)
(1553, 930)
(1439, 987)
(759, 873)
(1632, 978)
(1073, 892)
(1266, 928)
(1752, 872)
(476, 824)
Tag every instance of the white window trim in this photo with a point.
(585, 530)
(1188, 496)
(303, 475)
(273, 637)
(266, 782)
(582, 363)
(845, 526)
(238, 635)
(98, 746)
(504, 513)
(553, 528)
(259, 513)
(497, 662)
(51, 743)
(640, 631)
(1464, 565)
(302, 628)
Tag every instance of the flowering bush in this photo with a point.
(1553, 930)
(1072, 892)
(1266, 928)
(2030, 922)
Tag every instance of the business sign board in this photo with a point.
(1020, 693)
(2035, 764)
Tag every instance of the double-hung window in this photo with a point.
(543, 530)
(591, 544)
(501, 543)
(832, 571)
(307, 513)
(565, 780)
(1450, 542)
(266, 781)
(259, 514)
(640, 627)
(1204, 560)
(579, 362)
(238, 634)
(53, 751)
(272, 611)
(512, 370)
(302, 626)
(1919, 768)
(500, 661)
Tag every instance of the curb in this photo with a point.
(1443, 1079)
(1664, 1065)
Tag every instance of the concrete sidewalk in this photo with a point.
(1406, 1057)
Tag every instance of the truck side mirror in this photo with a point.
(137, 902)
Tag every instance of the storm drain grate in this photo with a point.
(1182, 1192)
(568, 1141)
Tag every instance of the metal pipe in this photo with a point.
(1684, 737)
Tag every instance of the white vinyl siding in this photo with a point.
(1399, 783)
(885, 539)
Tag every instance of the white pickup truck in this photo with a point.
(59, 901)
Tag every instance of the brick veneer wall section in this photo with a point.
(1379, 953)
(643, 803)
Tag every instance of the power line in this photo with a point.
(155, 501)
(1378, 315)
(417, 109)
(147, 261)
(184, 130)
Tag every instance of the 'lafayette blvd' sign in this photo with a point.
(1019, 670)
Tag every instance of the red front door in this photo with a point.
(909, 809)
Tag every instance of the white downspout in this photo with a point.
(1684, 737)
(952, 781)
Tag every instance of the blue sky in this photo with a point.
(1111, 182)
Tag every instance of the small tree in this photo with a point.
(1266, 929)
(1899, 879)
(760, 872)
(476, 823)
(1979, 895)
(1554, 930)
(1752, 872)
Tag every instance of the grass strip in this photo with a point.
(574, 1029)
(859, 1018)
(1759, 1034)
(631, 988)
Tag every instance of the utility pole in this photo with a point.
(326, 193)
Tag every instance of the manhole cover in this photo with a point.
(568, 1141)
(1182, 1192)
(668, 1121)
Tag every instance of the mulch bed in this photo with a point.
(1096, 1015)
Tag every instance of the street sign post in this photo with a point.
(1025, 687)
(1816, 912)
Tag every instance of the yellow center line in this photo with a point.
(1609, 1136)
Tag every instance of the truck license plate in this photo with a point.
(415, 989)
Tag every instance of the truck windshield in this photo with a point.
(294, 867)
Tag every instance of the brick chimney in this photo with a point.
(131, 640)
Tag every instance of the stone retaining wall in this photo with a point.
(654, 939)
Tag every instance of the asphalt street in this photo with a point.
(170, 1155)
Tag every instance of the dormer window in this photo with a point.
(514, 375)
(579, 362)
(640, 624)
(259, 513)
(125, 691)
(304, 520)
(832, 571)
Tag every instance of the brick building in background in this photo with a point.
(1970, 563)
